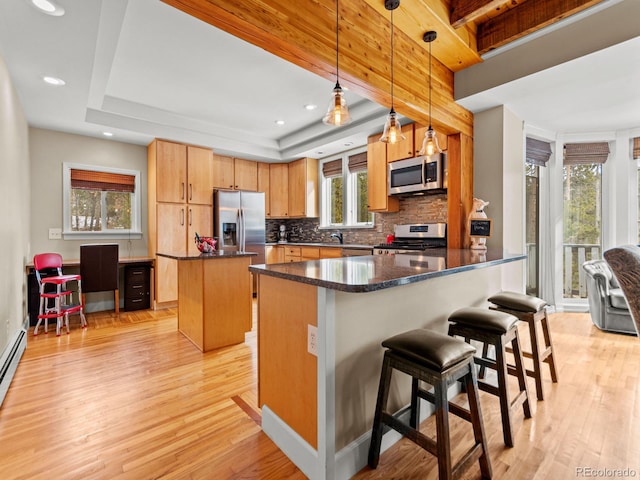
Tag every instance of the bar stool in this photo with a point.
(438, 360)
(532, 310)
(497, 329)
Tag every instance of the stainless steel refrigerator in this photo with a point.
(239, 222)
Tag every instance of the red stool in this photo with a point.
(55, 298)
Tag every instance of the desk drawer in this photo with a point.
(137, 287)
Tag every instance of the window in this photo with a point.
(101, 202)
(582, 177)
(344, 191)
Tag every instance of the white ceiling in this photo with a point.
(142, 69)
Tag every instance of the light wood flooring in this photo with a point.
(131, 398)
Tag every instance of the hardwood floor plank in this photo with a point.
(131, 398)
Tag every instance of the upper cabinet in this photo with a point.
(235, 173)
(404, 148)
(183, 173)
(377, 172)
(412, 144)
(264, 184)
(278, 206)
(303, 188)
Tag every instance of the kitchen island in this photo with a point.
(214, 297)
(320, 325)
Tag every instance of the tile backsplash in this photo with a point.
(413, 209)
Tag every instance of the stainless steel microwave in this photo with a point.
(418, 174)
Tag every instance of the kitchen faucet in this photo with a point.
(338, 235)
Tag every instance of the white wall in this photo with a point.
(499, 178)
(49, 150)
(14, 217)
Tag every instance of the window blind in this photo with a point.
(636, 148)
(538, 152)
(102, 181)
(332, 168)
(358, 162)
(583, 153)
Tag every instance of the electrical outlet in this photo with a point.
(312, 340)
(55, 234)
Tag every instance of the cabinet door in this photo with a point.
(171, 176)
(171, 237)
(403, 149)
(279, 186)
(377, 171)
(303, 188)
(223, 175)
(246, 174)
(263, 185)
(200, 175)
(199, 220)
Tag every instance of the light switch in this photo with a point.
(55, 234)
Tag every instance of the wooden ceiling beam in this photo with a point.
(527, 18)
(303, 33)
(467, 11)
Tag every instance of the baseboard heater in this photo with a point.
(10, 359)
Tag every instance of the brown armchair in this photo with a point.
(625, 264)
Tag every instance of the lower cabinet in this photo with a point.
(137, 287)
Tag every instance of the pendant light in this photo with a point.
(430, 144)
(338, 112)
(392, 132)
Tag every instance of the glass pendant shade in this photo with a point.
(338, 112)
(430, 143)
(392, 132)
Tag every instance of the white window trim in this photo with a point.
(349, 182)
(135, 233)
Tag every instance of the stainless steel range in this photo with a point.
(415, 238)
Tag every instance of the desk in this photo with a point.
(74, 264)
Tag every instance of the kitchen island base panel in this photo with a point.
(350, 329)
(215, 296)
(288, 371)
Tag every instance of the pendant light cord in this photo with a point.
(430, 86)
(337, 44)
(391, 59)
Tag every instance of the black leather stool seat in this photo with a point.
(434, 350)
(498, 329)
(518, 301)
(440, 361)
(532, 310)
(492, 321)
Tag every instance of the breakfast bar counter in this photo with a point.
(320, 325)
(214, 297)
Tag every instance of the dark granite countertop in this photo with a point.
(205, 256)
(321, 244)
(376, 272)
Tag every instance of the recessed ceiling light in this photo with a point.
(279, 122)
(107, 134)
(48, 7)
(54, 81)
(310, 106)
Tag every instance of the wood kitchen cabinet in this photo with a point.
(245, 174)
(377, 173)
(180, 204)
(404, 148)
(279, 190)
(264, 186)
(303, 188)
(231, 173)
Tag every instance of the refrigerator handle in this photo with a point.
(242, 230)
